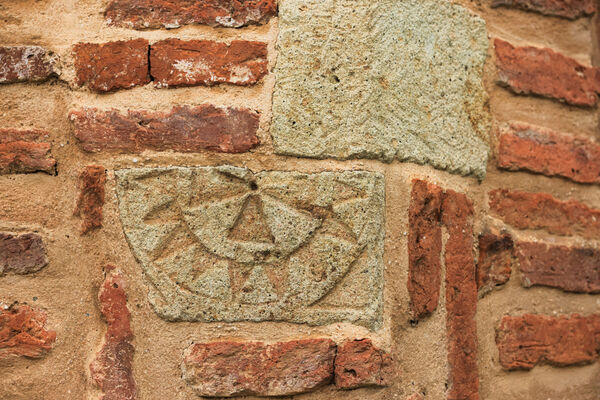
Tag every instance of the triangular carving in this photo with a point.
(250, 225)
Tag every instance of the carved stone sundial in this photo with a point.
(224, 244)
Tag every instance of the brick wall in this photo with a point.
(309, 199)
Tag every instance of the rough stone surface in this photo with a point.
(525, 210)
(111, 369)
(185, 129)
(571, 9)
(227, 369)
(495, 261)
(26, 63)
(226, 244)
(424, 248)
(526, 147)
(205, 62)
(22, 254)
(91, 197)
(359, 363)
(110, 66)
(461, 297)
(542, 71)
(24, 151)
(384, 80)
(530, 339)
(23, 333)
(572, 269)
(142, 14)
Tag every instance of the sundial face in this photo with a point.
(225, 244)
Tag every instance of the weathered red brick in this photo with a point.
(254, 368)
(530, 339)
(359, 363)
(23, 333)
(424, 248)
(91, 197)
(22, 254)
(110, 66)
(23, 151)
(205, 62)
(572, 269)
(571, 9)
(461, 297)
(526, 147)
(185, 129)
(111, 370)
(525, 210)
(26, 63)
(142, 14)
(495, 260)
(546, 73)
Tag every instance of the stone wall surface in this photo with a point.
(292, 199)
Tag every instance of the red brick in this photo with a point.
(529, 340)
(24, 151)
(26, 63)
(461, 297)
(541, 71)
(525, 210)
(571, 9)
(255, 368)
(91, 197)
(535, 149)
(23, 333)
(185, 129)
(204, 62)
(359, 364)
(572, 269)
(110, 66)
(22, 254)
(495, 260)
(424, 248)
(111, 370)
(142, 14)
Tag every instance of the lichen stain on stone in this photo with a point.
(385, 80)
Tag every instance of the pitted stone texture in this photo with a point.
(225, 244)
(26, 63)
(388, 79)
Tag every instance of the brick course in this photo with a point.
(25, 151)
(26, 63)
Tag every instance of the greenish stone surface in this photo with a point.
(226, 244)
(382, 79)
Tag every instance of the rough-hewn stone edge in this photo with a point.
(23, 332)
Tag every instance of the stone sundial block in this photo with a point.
(225, 244)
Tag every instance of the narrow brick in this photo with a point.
(528, 340)
(91, 197)
(25, 151)
(26, 63)
(544, 72)
(111, 369)
(571, 9)
(204, 62)
(461, 297)
(23, 332)
(22, 254)
(525, 210)
(227, 369)
(360, 364)
(185, 129)
(535, 149)
(143, 14)
(495, 260)
(110, 66)
(571, 269)
(424, 248)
